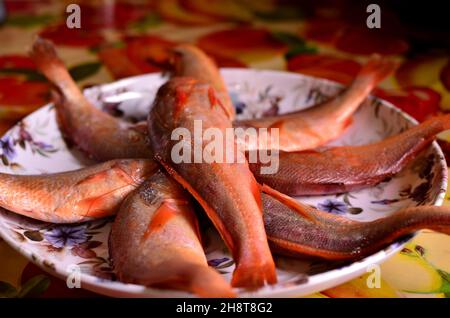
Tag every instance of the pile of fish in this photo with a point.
(156, 239)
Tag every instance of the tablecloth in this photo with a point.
(124, 38)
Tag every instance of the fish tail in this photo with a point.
(375, 70)
(47, 61)
(435, 218)
(338, 239)
(383, 231)
(206, 282)
(443, 121)
(253, 274)
(427, 130)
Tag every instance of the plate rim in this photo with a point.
(353, 269)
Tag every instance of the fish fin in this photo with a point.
(197, 278)
(294, 249)
(162, 215)
(209, 211)
(375, 70)
(182, 94)
(103, 175)
(288, 201)
(93, 178)
(214, 101)
(168, 209)
(348, 122)
(205, 281)
(254, 275)
(94, 206)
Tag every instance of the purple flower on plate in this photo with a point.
(217, 261)
(7, 146)
(333, 206)
(66, 235)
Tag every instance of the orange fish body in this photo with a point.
(343, 169)
(97, 133)
(313, 127)
(228, 192)
(74, 196)
(334, 237)
(155, 241)
(100, 190)
(192, 62)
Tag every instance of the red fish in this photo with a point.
(343, 169)
(227, 192)
(98, 191)
(190, 61)
(333, 237)
(88, 127)
(74, 196)
(155, 241)
(97, 133)
(157, 210)
(313, 127)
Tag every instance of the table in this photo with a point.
(125, 38)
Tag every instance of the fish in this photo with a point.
(336, 238)
(139, 187)
(227, 192)
(98, 134)
(74, 196)
(138, 190)
(87, 126)
(342, 169)
(104, 137)
(155, 241)
(190, 61)
(317, 125)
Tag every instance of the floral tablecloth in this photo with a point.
(124, 38)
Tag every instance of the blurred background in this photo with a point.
(324, 38)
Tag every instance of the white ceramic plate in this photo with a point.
(35, 146)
